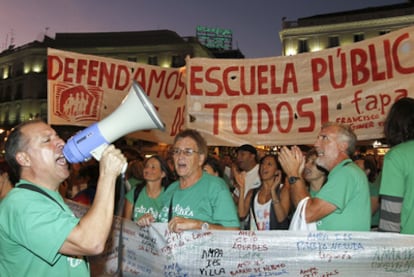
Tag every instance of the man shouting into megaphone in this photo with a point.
(39, 234)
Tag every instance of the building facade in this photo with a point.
(324, 31)
(23, 70)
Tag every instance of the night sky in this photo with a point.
(255, 24)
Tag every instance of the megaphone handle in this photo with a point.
(97, 154)
(124, 168)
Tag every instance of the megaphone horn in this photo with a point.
(93, 140)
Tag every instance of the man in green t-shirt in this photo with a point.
(343, 203)
(39, 234)
(197, 200)
(397, 179)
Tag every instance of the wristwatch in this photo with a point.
(205, 226)
(293, 179)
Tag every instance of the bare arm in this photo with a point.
(179, 224)
(375, 204)
(128, 210)
(281, 206)
(243, 203)
(243, 208)
(90, 235)
(292, 162)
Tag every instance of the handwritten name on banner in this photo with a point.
(266, 101)
(155, 251)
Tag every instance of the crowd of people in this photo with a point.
(192, 189)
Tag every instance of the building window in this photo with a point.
(358, 37)
(333, 42)
(303, 46)
(8, 95)
(383, 32)
(19, 69)
(153, 60)
(19, 92)
(177, 61)
(10, 72)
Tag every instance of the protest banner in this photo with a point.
(266, 101)
(83, 89)
(155, 251)
(284, 100)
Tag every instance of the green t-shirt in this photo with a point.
(209, 200)
(145, 204)
(32, 230)
(398, 180)
(347, 188)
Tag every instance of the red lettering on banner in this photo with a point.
(289, 78)
(281, 117)
(167, 84)
(175, 79)
(155, 77)
(241, 80)
(344, 73)
(93, 72)
(363, 65)
(262, 79)
(212, 80)
(106, 75)
(376, 74)
(195, 80)
(140, 77)
(51, 61)
(216, 112)
(121, 73)
(306, 114)
(398, 66)
(265, 108)
(227, 76)
(80, 70)
(376, 102)
(289, 118)
(68, 70)
(249, 117)
(319, 68)
(178, 122)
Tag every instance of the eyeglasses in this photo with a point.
(187, 152)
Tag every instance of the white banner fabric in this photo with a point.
(154, 251)
(266, 101)
(284, 100)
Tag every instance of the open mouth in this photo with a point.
(61, 160)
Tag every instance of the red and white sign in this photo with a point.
(267, 101)
(284, 100)
(83, 89)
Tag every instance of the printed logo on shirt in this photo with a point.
(144, 210)
(74, 261)
(184, 212)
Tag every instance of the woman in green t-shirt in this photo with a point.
(148, 199)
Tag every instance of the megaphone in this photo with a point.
(135, 113)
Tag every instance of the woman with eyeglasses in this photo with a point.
(144, 202)
(197, 200)
(269, 204)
